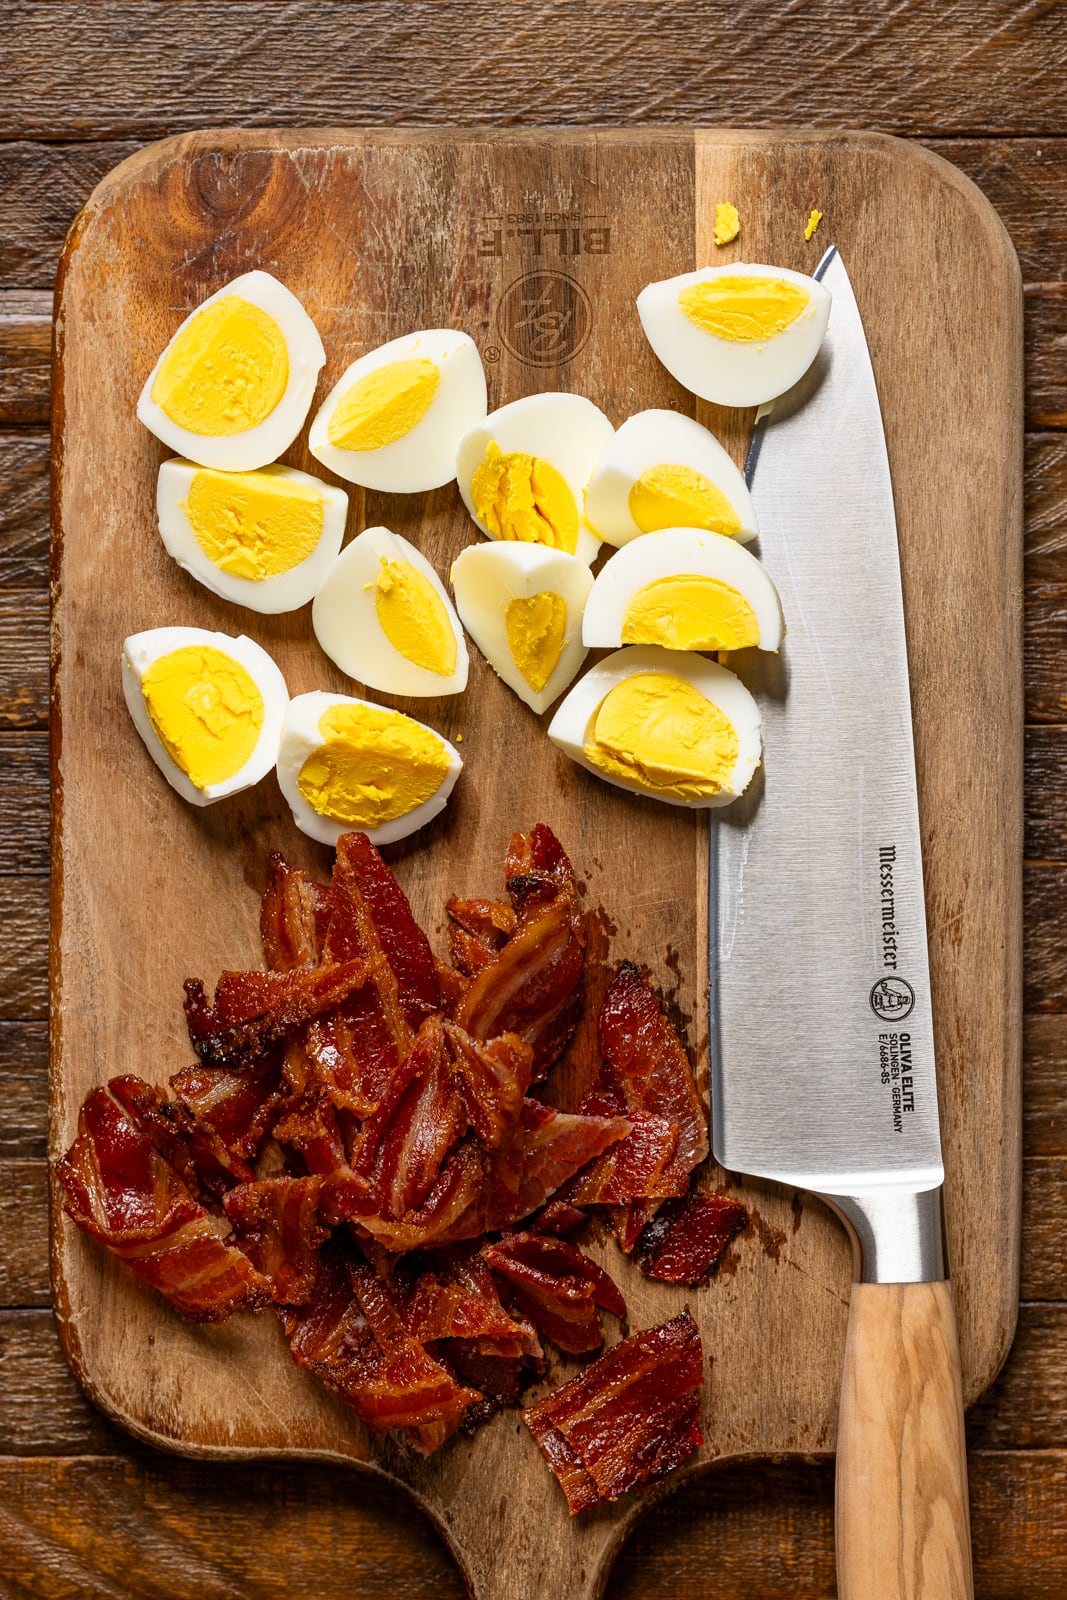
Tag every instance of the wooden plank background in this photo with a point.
(82, 1510)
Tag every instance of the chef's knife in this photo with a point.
(822, 1040)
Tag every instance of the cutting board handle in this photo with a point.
(903, 1528)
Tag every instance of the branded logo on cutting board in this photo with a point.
(544, 318)
(892, 999)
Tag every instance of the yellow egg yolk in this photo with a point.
(519, 496)
(536, 634)
(727, 223)
(671, 496)
(254, 524)
(384, 405)
(743, 309)
(373, 766)
(225, 372)
(207, 712)
(689, 611)
(812, 224)
(658, 732)
(413, 618)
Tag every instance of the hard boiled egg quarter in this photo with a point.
(235, 383)
(686, 590)
(663, 723)
(739, 335)
(663, 470)
(384, 616)
(395, 417)
(523, 472)
(522, 605)
(209, 708)
(263, 539)
(345, 763)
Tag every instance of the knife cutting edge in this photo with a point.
(821, 1021)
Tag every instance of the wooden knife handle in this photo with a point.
(903, 1527)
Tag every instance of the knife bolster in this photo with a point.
(898, 1235)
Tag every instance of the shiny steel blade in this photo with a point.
(821, 1036)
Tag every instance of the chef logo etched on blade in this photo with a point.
(892, 999)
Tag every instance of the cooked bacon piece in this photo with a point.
(401, 1149)
(558, 1287)
(308, 1124)
(555, 1145)
(492, 1079)
(293, 917)
(253, 1011)
(195, 1151)
(239, 1107)
(361, 872)
(351, 1337)
(646, 1076)
(478, 931)
(687, 1237)
(277, 1224)
(452, 1210)
(557, 1218)
(120, 1190)
(533, 986)
(628, 1418)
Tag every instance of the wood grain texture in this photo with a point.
(23, 512)
(901, 1508)
(24, 1053)
(1044, 1102)
(1045, 540)
(43, 187)
(25, 356)
(369, 201)
(149, 1526)
(24, 975)
(428, 61)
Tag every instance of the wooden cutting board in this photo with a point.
(536, 244)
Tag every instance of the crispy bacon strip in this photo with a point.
(278, 1226)
(238, 1107)
(121, 1190)
(687, 1237)
(293, 917)
(361, 873)
(478, 931)
(558, 1287)
(196, 1152)
(492, 1079)
(401, 1149)
(533, 986)
(353, 1340)
(253, 1011)
(628, 1418)
(646, 1076)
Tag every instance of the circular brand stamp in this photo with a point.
(892, 999)
(545, 318)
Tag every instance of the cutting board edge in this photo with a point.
(141, 167)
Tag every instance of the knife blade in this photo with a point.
(821, 1024)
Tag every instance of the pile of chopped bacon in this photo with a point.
(357, 1147)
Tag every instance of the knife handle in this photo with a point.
(902, 1522)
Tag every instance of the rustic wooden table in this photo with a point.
(84, 1511)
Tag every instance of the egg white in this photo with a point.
(345, 619)
(732, 372)
(243, 452)
(566, 430)
(301, 737)
(425, 457)
(570, 727)
(679, 550)
(487, 577)
(660, 438)
(282, 591)
(141, 650)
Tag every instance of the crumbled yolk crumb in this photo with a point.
(727, 223)
(813, 223)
